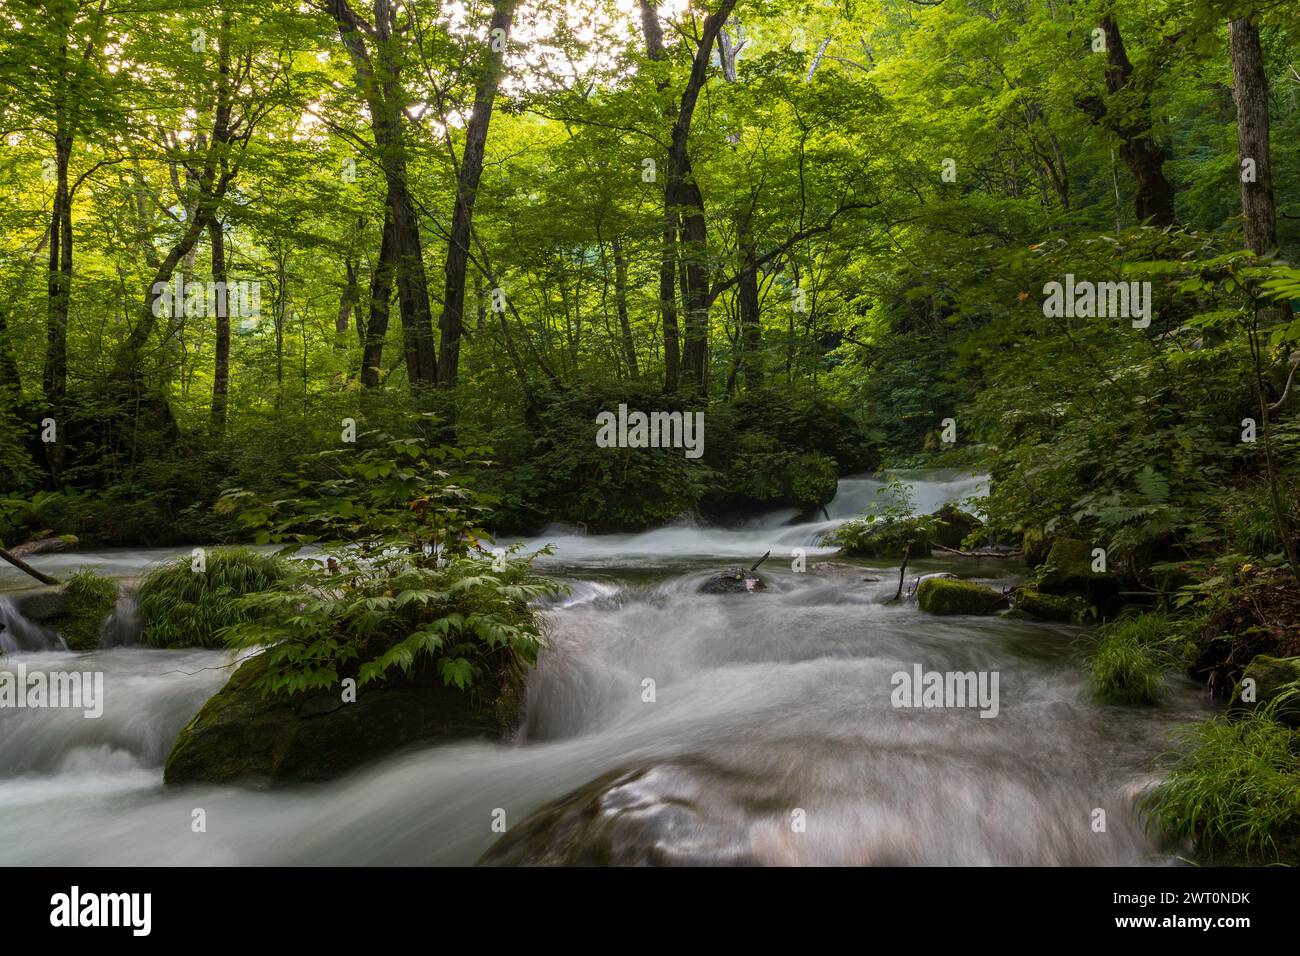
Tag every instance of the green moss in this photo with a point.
(949, 596)
(90, 600)
(1069, 571)
(1235, 791)
(181, 607)
(1069, 609)
(1129, 663)
(243, 735)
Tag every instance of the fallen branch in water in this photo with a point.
(980, 553)
(22, 565)
(755, 565)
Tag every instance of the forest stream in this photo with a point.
(766, 706)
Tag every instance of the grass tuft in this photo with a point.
(181, 607)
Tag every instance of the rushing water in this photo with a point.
(765, 704)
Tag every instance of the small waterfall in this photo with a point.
(17, 633)
(123, 626)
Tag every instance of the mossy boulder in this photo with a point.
(1067, 608)
(953, 526)
(1270, 675)
(241, 735)
(77, 611)
(1068, 570)
(952, 596)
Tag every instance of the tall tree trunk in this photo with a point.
(347, 303)
(213, 181)
(750, 327)
(126, 364)
(381, 294)
(684, 194)
(1250, 92)
(60, 286)
(381, 88)
(221, 366)
(452, 323)
(620, 303)
(1154, 200)
(654, 43)
(749, 332)
(412, 286)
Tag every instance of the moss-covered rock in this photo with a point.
(77, 610)
(1067, 608)
(1068, 570)
(953, 525)
(951, 596)
(241, 735)
(1270, 675)
(91, 600)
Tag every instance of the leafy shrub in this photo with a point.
(181, 607)
(467, 618)
(562, 475)
(1248, 519)
(890, 531)
(405, 588)
(882, 537)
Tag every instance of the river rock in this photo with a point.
(954, 525)
(1069, 571)
(1067, 608)
(77, 611)
(637, 817)
(241, 735)
(916, 582)
(733, 581)
(41, 605)
(944, 595)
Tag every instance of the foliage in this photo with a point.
(184, 607)
(1129, 662)
(1235, 791)
(404, 585)
(90, 600)
(464, 618)
(889, 530)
